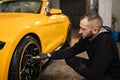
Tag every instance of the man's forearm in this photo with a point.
(61, 54)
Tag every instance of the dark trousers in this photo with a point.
(76, 63)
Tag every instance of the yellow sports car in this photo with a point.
(27, 28)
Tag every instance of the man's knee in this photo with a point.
(73, 62)
(69, 61)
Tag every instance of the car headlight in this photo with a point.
(2, 44)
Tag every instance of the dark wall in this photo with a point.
(74, 9)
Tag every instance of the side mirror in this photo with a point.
(55, 11)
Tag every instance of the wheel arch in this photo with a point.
(33, 35)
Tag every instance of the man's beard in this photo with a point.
(89, 36)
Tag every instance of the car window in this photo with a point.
(21, 6)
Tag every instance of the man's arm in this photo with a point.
(67, 52)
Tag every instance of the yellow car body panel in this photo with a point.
(51, 31)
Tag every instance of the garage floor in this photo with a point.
(58, 70)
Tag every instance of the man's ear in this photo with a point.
(95, 30)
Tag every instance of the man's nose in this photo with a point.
(80, 31)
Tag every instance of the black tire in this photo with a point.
(22, 66)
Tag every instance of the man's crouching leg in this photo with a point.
(78, 64)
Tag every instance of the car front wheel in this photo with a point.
(23, 66)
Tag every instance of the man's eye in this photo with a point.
(82, 28)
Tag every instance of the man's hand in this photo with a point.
(42, 56)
